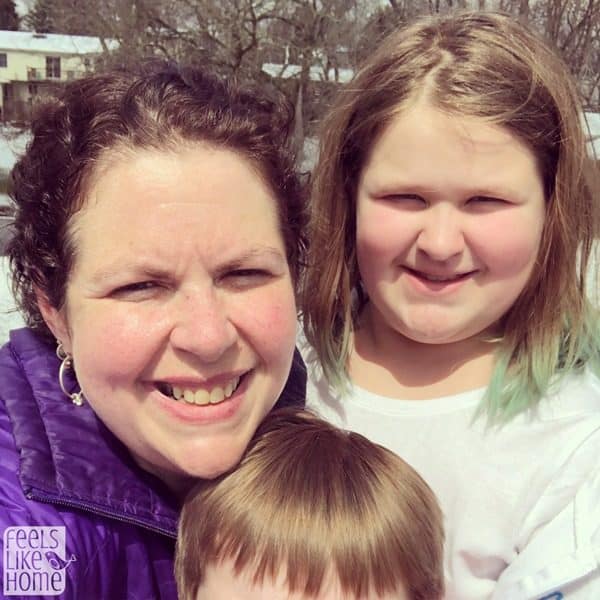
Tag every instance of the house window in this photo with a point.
(3, 61)
(53, 67)
(33, 89)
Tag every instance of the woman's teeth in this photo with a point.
(201, 397)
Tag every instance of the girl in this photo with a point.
(453, 218)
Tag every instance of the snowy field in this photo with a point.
(593, 129)
(12, 145)
(9, 318)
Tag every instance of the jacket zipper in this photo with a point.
(39, 497)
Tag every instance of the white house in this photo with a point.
(32, 63)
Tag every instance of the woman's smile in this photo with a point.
(201, 402)
(200, 393)
(201, 405)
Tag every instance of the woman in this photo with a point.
(157, 243)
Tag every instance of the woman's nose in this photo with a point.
(203, 326)
(441, 236)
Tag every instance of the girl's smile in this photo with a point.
(436, 283)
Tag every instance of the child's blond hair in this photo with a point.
(311, 500)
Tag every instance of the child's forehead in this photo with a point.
(222, 583)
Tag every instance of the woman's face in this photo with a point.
(180, 311)
(450, 213)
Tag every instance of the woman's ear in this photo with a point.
(54, 319)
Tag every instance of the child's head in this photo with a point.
(311, 512)
(484, 83)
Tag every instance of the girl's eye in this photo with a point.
(489, 200)
(406, 200)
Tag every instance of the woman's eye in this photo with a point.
(247, 277)
(136, 289)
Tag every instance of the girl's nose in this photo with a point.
(441, 236)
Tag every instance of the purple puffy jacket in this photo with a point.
(78, 518)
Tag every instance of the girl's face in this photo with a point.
(180, 311)
(450, 213)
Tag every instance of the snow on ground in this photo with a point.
(593, 130)
(310, 152)
(9, 317)
(12, 144)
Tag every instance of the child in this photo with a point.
(311, 512)
(445, 307)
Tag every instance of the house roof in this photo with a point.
(51, 43)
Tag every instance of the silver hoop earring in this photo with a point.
(66, 365)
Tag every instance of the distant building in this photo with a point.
(33, 64)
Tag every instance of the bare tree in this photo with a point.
(308, 45)
(573, 27)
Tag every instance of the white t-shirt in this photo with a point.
(521, 503)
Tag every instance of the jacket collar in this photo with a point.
(68, 456)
